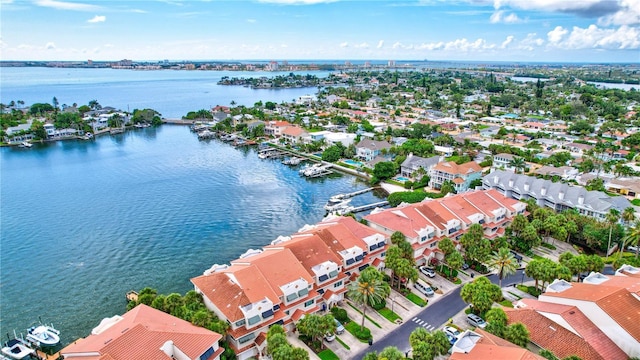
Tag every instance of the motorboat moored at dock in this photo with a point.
(43, 335)
(17, 349)
(335, 205)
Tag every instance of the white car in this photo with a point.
(632, 248)
(451, 331)
(330, 337)
(428, 272)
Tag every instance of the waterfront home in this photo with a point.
(557, 196)
(275, 128)
(416, 167)
(19, 133)
(577, 149)
(368, 150)
(610, 302)
(294, 134)
(482, 345)
(259, 289)
(146, 333)
(424, 224)
(461, 175)
(442, 150)
(563, 330)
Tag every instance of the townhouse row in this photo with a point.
(308, 271)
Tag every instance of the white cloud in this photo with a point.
(465, 45)
(593, 37)
(344, 44)
(629, 14)
(297, 2)
(364, 45)
(380, 44)
(555, 35)
(507, 41)
(531, 42)
(501, 16)
(64, 5)
(252, 21)
(97, 19)
(50, 45)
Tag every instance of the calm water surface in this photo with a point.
(84, 222)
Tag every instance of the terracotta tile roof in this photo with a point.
(226, 295)
(581, 325)
(260, 339)
(358, 229)
(140, 334)
(624, 308)
(293, 131)
(309, 250)
(491, 347)
(451, 167)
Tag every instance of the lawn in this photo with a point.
(529, 289)
(389, 315)
(366, 316)
(416, 299)
(506, 303)
(327, 354)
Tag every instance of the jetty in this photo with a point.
(357, 209)
(350, 195)
(271, 153)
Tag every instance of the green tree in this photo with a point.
(368, 289)
(518, 334)
(504, 262)
(633, 237)
(37, 128)
(316, 326)
(426, 346)
(447, 246)
(496, 322)
(481, 293)
(447, 188)
(519, 223)
(385, 170)
(476, 247)
(454, 260)
(518, 164)
(391, 353)
(396, 237)
(333, 153)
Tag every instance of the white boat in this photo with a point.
(332, 205)
(309, 169)
(43, 335)
(292, 161)
(17, 349)
(88, 136)
(26, 144)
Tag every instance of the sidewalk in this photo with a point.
(294, 341)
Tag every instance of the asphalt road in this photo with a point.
(432, 317)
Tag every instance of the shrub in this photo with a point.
(340, 314)
(379, 305)
(548, 246)
(408, 184)
(363, 333)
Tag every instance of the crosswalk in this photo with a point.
(423, 323)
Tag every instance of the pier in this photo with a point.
(349, 195)
(357, 209)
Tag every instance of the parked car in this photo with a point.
(516, 255)
(339, 327)
(632, 248)
(465, 266)
(451, 331)
(427, 271)
(476, 321)
(330, 337)
(452, 339)
(423, 288)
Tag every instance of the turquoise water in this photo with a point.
(402, 178)
(84, 222)
(352, 162)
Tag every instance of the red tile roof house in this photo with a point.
(146, 333)
(424, 224)
(563, 330)
(275, 128)
(612, 303)
(294, 276)
(481, 345)
(294, 134)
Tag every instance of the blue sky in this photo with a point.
(480, 30)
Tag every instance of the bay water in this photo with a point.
(83, 222)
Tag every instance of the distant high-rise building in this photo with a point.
(90, 62)
(367, 64)
(391, 63)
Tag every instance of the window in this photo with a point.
(309, 303)
(254, 320)
(350, 261)
(246, 338)
(333, 274)
(303, 292)
(292, 297)
(240, 322)
(337, 284)
(324, 277)
(381, 244)
(207, 353)
(423, 239)
(481, 221)
(373, 247)
(267, 314)
(276, 307)
(383, 254)
(363, 267)
(433, 244)
(320, 291)
(359, 257)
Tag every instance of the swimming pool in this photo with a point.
(402, 178)
(353, 162)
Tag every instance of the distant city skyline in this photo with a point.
(457, 30)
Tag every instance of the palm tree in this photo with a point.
(518, 164)
(628, 215)
(611, 218)
(503, 261)
(633, 238)
(368, 289)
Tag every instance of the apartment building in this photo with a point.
(295, 275)
(557, 196)
(426, 223)
(461, 175)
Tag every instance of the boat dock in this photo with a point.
(349, 195)
(271, 153)
(357, 209)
